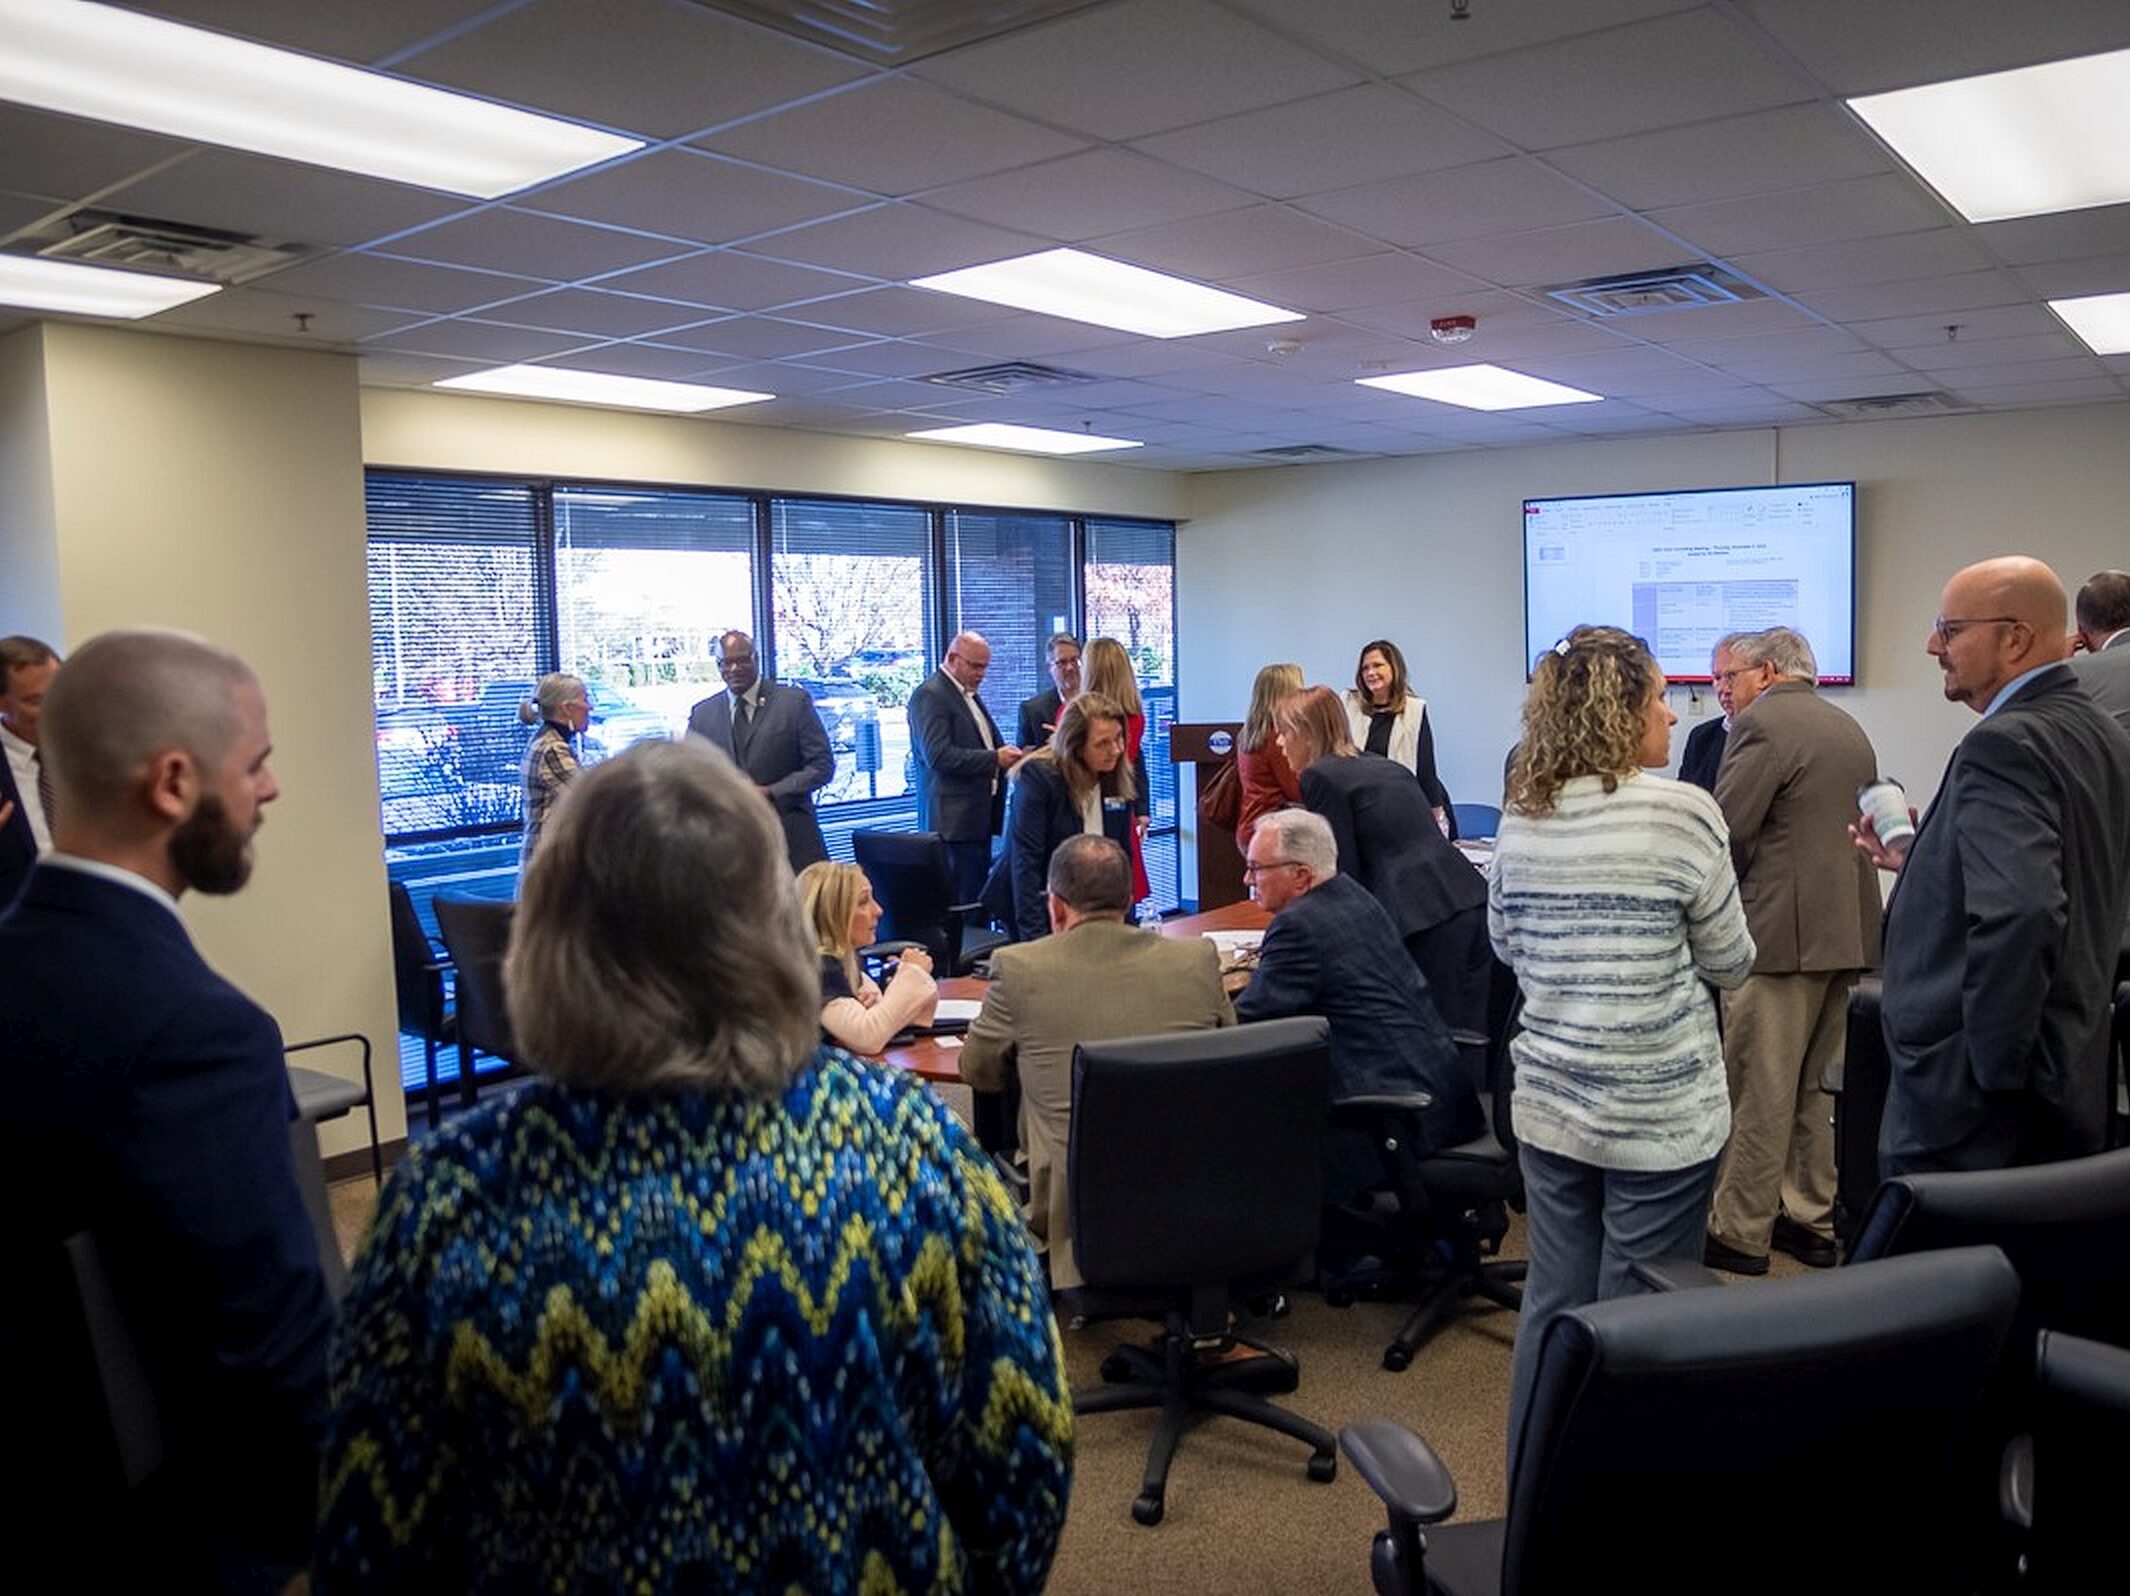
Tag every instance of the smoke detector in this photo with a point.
(1451, 329)
(1284, 346)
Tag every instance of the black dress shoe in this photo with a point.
(1729, 1259)
(1808, 1247)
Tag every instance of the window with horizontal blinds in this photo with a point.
(1130, 577)
(1010, 578)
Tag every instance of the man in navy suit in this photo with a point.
(2002, 930)
(1705, 743)
(1039, 715)
(2104, 669)
(775, 735)
(26, 671)
(960, 762)
(147, 1101)
(1332, 950)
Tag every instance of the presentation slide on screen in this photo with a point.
(1683, 569)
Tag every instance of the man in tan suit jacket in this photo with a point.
(1093, 979)
(1787, 788)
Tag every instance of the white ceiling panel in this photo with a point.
(1259, 238)
(785, 377)
(278, 199)
(1393, 36)
(405, 285)
(2068, 235)
(478, 340)
(1704, 322)
(897, 241)
(2020, 395)
(1895, 44)
(1467, 202)
(365, 33)
(888, 358)
(1081, 196)
(1693, 66)
(1795, 147)
(2101, 274)
(900, 312)
(681, 194)
(1962, 291)
(1034, 337)
(1858, 207)
(558, 250)
(1990, 325)
(1350, 284)
(759, 338)
(71, 159)
(1777, 367)
(1965, 354)
(1862, 261)
(1143, 66)
(1562, 254)
(733, 280)
(589, 312)
(257, 313)
(658, 363)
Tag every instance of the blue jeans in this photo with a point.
(1586, 1226)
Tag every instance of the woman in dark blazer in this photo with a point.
(1079, 784)
(1389, 842)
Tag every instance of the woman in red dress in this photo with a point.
(1109, 672)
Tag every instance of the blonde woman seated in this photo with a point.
(855, 1012)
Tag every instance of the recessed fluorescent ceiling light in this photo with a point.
(1037, 440)
(2044, 138)
(1083, 287)
(92, 290)
(1481, 388)
(2102, 320)
(600, 388)
(118, 66)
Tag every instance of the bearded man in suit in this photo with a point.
(1093, 979)
(774, 734)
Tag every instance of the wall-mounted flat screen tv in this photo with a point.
(1682, 569)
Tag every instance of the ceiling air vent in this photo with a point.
(1010, 376)
(897, 32)
(140, 243)
(1668, 288)
(1304, 451)
(1886, 406)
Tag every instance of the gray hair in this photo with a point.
(142, 694)
(1091, 875)
(550, 693)
(658, 944)
(1305, 838)
(1727, 643)
(1781, 647)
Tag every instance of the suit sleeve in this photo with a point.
(1438, 796)
(987, 1051)
(2011, 869)
(1287, 978)
(1028, 847)
(817, 761)
(1031, 727)
(1325, 797)
(933, 732)
(1746, 784)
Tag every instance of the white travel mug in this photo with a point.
(1886, 805)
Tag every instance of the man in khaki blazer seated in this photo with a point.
(1787, 787)
(1094, 979)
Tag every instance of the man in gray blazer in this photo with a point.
(775, 735)
(2002, 931)
(1788, 784)
(1093, 979)
(2104, 670)
(960, 762)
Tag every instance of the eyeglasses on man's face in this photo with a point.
(1947, 630)
(1253, 870)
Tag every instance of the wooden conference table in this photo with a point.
(928, 1058)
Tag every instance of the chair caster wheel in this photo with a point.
(1397, 1360)
(1338, 1299)
(1147, 1507)
(1323, 1468)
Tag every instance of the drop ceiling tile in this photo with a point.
(1564, 335)
(1143, 66)
(732, 280)
(1820, 391)
(892, 136)
(1626, 373)
(762, 376)
(557, 250)
(20, 210)
(1923, 332)
(70, 159)
(757, 338)
(1466, 202)
(1914, 296)
(381, 369)
(1022, 338)
(2023, 373)
(1728, 351)
(2101, 274)
(681, 194)
(1178, 360)
(1259, 238)
(1893, 44)
(1795, 147)
(1857, 207)
(1080, 196)
(1330, 141)
(400, 284)
(888, 358)
(361, 34)
(2067, 235)
(1561, 254)
(1748, 408)
(587, 311)
(2016, 396)
(1393, 36)
(899, 312)
(241, 193)
(1861, 262)
(270, 315)
(478, 340)
(1966, 353)
(1350, 284)
(641, 360)
(1689, 67)
(635, 65)
(1773, 368)
(1701, 322)
(898, 241)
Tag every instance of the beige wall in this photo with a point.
(218, 488)
(29, 548)
(1307, 563)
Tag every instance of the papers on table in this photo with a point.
(1238, 949)
(957, 1009)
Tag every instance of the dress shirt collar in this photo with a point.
(115, 874)
(2013, 686)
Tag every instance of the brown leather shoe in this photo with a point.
(1729, 1259)
(1808, 1247)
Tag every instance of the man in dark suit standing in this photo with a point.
(1703, 754)
(775, 735)
(1788, 790)
(1039, 715)
(2002, 931)
(960, 762)
(26, 671)
(2104, 630)
(148, 1102)
(1332, 950)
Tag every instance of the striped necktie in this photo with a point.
(44, 788)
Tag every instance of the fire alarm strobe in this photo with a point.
(1451, 329)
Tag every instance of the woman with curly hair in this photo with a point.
(1613, 899)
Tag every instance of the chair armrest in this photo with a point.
(1674, 1274)
(1471, 1038)
(1402, 1469)
(2015, 1483)
(1368, 1103)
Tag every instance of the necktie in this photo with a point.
(44, 789)
(741, 725)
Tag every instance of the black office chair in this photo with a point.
(2119, 1071)
(1859, 1105)
(915, 891)
(476, 933)
(418, 968)
(2081, 1437)
(1440, 1244)
(1662, 1426)
(1194, 1174)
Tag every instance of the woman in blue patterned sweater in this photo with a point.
(708, 1306)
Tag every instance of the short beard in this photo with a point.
(209, 854)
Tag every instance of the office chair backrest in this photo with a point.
(476, 932)
(1196, 1159)
(420, 989)
(1476, 821)
(2081, 1436)
(908, 870)
(1661, 1425)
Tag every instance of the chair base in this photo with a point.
(1436, 1283)
(1187, 1386)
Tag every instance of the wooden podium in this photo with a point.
(1204, 745)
